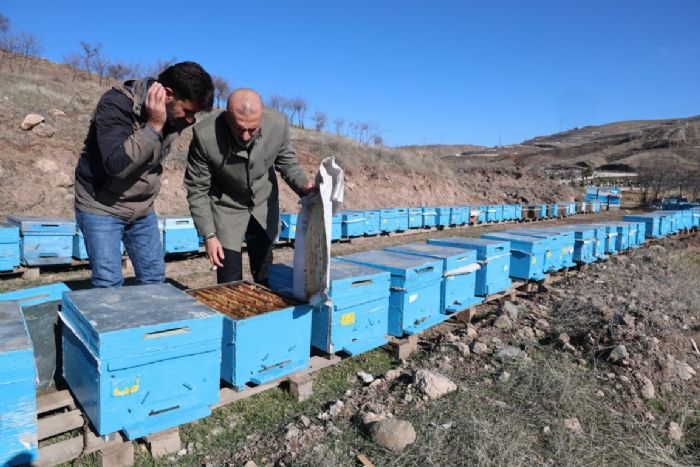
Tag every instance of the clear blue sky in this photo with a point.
(451, 72)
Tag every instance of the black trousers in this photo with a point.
(259, 248)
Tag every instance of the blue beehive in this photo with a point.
(288, 226)
(584, 242)
(527, 254)
(459, 273)
(457, 216)
(632, 233)
(140, 359)
(595, 206)
(652, 223)
(372, 222)
(610, 244)
(45, 240)
(40, 307)
(509, 212)
(696, 217)
(565, 241)
(429, 217)
(80, 250)
(494, 213)
(414, 303)
(443, 216)
(553, 210)
(336, 227)
(402, 216)
(518, 212)
(179, 234)
(623, 233)
(265, 336)
(493, 257)
(9, 247)
(389, 220)
(352, 224)
(572, 208)
(18, 424)
(481, 213)
(355, 317)
(415, 218)
(552, 241)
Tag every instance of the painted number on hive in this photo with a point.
(347, 319)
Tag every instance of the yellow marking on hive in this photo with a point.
(347, 319)
(127, 390)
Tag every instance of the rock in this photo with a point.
(503, 322)
(370, 417)
(573, 425)
(542, 324)
(449, 337)
(479, 348)
(392, 375)
(657, 248)
(647, 388)
(471, 332)
(365, 377)
(336, 409)
(546, 430)
(250, 464)
(44, 130)
(292, 432)
(57, 113)
(511, 310)
(504, 376)
(30, 121)
(600, 393)
(182, 452)
(564, 338)
(685, 371)
(392, 434)
(46, 165)
(462, 347)
(507, 353)
(304, 420)
(433, 385)
(618, 353)
(674, 431)
(528, 333)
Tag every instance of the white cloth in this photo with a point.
(312, 246)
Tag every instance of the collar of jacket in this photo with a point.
(136, 90)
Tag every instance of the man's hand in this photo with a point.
(308, 188)
(215, 252)
(155, 106)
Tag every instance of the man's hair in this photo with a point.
(189, 81)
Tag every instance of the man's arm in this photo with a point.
(122, 149)
(288, 166)
(198, 183)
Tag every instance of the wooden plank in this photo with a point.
(54, 401)
(59, 453)
(60, 423)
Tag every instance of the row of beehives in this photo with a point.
(369, 222)
(143, 359)
(48, 240)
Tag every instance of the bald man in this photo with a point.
(232, 186)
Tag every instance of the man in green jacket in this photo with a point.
(232, 186)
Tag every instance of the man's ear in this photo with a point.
(169, 96)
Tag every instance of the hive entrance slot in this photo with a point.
(166, 333)
(361, 283)
(153, 413)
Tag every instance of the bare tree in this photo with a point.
(364, 132)
(339, 126)
(300, 106)
(4, 23)
(89, 53)
(319, 119)
(100, 65)
(75, 61)
(9, 47)
(378, 140)
(276, 102)
(222, 89)
(287, 107)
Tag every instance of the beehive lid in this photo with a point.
(13, 332)
(399, 264)
(119, 308)
(433, 251)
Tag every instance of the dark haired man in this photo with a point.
(118, 175)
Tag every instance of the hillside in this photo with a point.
(37, 166)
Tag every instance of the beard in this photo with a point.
(177, 124)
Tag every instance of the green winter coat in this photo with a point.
(227, 183)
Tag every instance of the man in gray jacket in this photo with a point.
(118, 175)
(232, 186)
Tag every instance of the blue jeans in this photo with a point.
(141, 239)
